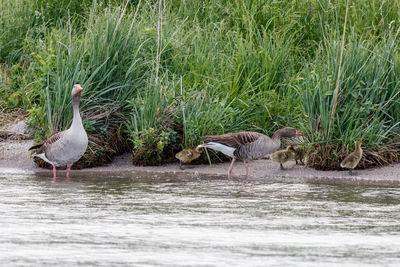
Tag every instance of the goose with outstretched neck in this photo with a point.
(66, 147)
(247, 145)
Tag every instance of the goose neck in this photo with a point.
(276, 136)
(76, 120)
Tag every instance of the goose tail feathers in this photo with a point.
(227, 150)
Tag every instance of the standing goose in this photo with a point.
(66, 147)
(247, 145)
(352, 160)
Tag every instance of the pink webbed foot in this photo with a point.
(54, 173)
(246, 165)
(230, 172)
(68, 169)
(230, 175)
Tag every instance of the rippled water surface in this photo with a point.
(130, 222)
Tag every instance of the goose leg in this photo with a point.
(54, 173)
(246, 165)
(282, 168)
(230, 173)
(68, 169)
(296, 162)
(181, 165)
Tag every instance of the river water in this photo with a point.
(132, 222)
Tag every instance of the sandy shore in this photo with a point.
(15, 158)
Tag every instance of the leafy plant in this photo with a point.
(152, 126)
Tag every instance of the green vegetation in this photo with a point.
(367, 108)
(157, 78)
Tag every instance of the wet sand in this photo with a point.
(15, 158)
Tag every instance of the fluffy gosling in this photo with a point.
(299, 153)
(283, 156)
(352, 160)
(188, 155)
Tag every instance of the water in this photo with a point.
(127, 222)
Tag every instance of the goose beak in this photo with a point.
(78, 88)
(298, 133)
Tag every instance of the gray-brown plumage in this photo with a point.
(283, 156)
(44, 146)
(352, 160)
(66, 147)
(299, 153)
(188, 155)
(247, 145)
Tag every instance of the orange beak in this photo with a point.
(299, 133)
(78, 88)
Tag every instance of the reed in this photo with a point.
(367, 101)
(107, 59)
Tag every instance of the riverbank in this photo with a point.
(15, 158)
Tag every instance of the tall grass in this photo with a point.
(17, 20)
(368, 99)
(202, 115)
(251, 72)
(152, 127)
(107, 58)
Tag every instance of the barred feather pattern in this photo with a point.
(54, 138)
(248, 145)
(234, 140)
(258, 148)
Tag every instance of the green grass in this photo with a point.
(368, 99)
(107, 58)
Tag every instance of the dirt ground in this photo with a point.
(15, 158)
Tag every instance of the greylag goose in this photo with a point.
(188, 155)
(283, 156)
(66, 147)
(352, 160)
(247, 145)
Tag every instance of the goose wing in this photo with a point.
(235, 140)
(49, 143)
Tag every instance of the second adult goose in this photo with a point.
(247, 145)
(66, 147)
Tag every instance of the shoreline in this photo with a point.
(15, 159)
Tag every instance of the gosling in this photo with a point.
(188, 155)
(299, 153)
(283, 156)
(352, 160)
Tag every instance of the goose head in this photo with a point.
(76, 92)
(287, 132)
(357, 144)
(199, 149)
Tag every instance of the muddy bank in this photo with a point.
(15, 158)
